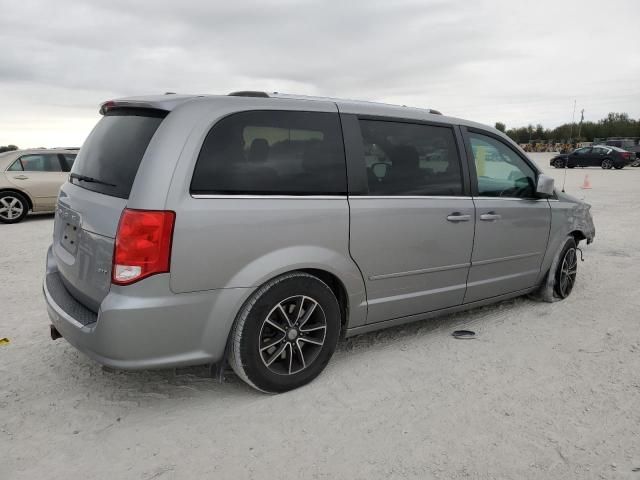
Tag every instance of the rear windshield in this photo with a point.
(110, 157)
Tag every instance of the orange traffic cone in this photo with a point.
(586, 185)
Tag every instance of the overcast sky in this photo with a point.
(514, 61)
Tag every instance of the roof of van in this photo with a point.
(170, 101)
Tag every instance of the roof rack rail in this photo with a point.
(435, 112)
(249, 93)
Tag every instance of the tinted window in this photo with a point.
(410, 159)
(272, 152)
(67, 161)
(113, 151)
(500, 170)
(15, 166)
(41, 163)
(600, 150)
(583, 151)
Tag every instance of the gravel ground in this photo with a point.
(545, 391)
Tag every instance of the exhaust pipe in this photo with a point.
(55, 334)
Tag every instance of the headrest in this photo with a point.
(259, 151)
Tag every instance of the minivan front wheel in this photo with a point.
(13, 207)
(286, 333)
(567, 270)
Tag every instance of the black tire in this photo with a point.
(254, 340)
(558, 163)
(618, 167)
(606, 164)
(567, 264)
(13, 207)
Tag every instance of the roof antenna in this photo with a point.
(573, 119)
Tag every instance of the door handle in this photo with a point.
(20, 177)
(490, 216)
(458, 217)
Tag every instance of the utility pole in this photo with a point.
(580, 125)
(573, 120)
(566, 162)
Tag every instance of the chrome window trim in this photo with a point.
(274, 197)
(513, 199)
(408, 197)
(367, 197)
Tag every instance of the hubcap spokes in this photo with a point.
(568, 272)
(10, 208)
(292, 335)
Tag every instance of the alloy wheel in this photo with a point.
(568, 272)
(10, 207)
(292, 335)
(607, 164)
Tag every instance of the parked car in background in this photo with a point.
(629, 144)
(259, 228)
(603, 156)
(30, 181)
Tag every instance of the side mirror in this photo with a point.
(545, 185)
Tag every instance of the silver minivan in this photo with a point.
(259, 228)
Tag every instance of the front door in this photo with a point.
(412, 225)
(583, 157)
(512, 225)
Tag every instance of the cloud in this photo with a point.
(486, 60)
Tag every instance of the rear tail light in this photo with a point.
(143, 245)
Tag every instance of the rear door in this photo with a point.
(90, 204)
(512, 225)
(412, 219)
(599, 154)
(40, 175)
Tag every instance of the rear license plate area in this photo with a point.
(69, 229)
(69, 237)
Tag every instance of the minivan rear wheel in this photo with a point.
(286, 333)
(13, 207)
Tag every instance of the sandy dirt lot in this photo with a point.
(545, 391)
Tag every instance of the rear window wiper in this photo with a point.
(84, 178)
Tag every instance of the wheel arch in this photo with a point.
(337, 287)
(578, 235)
(20, 192)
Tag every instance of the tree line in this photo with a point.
(614, 125)
(7, 148)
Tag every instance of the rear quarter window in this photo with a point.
(111, 155)
(15, 166)
(270, 153)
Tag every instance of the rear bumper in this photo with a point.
(145, 325)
